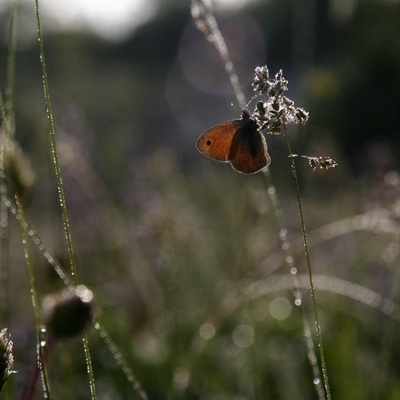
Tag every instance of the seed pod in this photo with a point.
(6, 357)
(68, 313)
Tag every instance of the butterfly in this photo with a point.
(239, 142)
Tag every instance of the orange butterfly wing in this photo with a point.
(239, 141)
(216, 142)
(248, 152)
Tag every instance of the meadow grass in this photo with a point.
(207, 284)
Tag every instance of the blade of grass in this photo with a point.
(119, 358)
(10, 75)
(5, 243)
(310, 274)
(297, 296)
(36, 308)
(7, 113)
(37, 240)
(60, 187)
(204, 18)
(206, 22)
(54, 151)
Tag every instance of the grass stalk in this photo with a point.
(308, 261)
(5, 247)
(297, 295)
(60, 187)
(120, 359)
(11, 62)
(36, 311)
(7, 116)
(205, 20)
(54, 151)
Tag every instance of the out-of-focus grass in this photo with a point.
(172, 261)
(185, 259)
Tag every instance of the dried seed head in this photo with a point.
(277, 110)
(261, 80)
(68, 313)
(6, 357)
(318, 162)
(301, 116)
(321, 162)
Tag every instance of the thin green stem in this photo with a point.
(60, 187)
(5, 247)
(4, 227)
(89, 367)
(31, 275)
(120, 359)
(34, 293)
(308, 260)
(203, 16)
(54, 151)
(12, 46)
(297, 295)
(38, 241)
(7, 114)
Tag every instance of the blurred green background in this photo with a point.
(174, 245)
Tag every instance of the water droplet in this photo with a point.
(289, 260)
(243, 336)
(283, 234)
(280, 308)
(181, 378)
(84, 293)
(285, 246)
(207, 331)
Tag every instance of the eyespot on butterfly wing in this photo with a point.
(239, 142)
(216, 142)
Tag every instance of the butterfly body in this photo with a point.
(239, 142)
